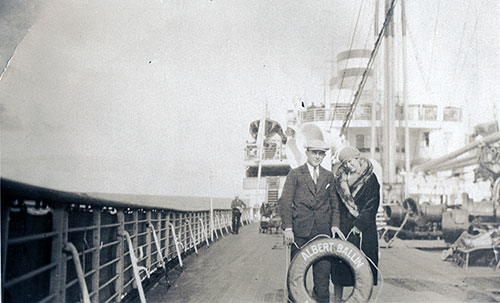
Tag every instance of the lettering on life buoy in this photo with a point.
(354, 256)
(312, 252)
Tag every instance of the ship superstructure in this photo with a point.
(266, 162)
(433, 131)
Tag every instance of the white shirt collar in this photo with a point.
(311, 170)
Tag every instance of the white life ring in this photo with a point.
(312, 252)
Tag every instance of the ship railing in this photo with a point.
(274, 151)
(313, 114)
(416, 112)
(43, 230)
(338, 113)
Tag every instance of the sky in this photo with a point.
(155, 97)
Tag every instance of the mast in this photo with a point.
(389, 148)
(260, 149)
(374, 91)
(405, 96)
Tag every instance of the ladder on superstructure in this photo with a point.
(273, 184)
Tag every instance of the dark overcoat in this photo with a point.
(303, 204)
(367, 200)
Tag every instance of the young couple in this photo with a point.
(316, 201)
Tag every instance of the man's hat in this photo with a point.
(316, 144)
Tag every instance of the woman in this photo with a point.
(358, 193)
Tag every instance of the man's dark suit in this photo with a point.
(308, 210)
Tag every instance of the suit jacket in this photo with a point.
(303, 204)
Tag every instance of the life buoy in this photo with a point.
(312, 252)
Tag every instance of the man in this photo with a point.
(306, 210)
(358, 194)
(264, 210)
(237, 206)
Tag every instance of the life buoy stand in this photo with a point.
(312, 252)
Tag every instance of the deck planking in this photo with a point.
(236, 268)
(250, 267)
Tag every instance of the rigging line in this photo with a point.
(433, 42)
(347, 61)
(417, 57)
(462, 60)
(472, 38)
(460, 46)
(368, 67)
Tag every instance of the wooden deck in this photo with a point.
(250, 267)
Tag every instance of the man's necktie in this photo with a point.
(315, 175)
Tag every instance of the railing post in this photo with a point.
(157, 227)
(211, 225)
(148, 240)
(220, 225)
(200, 226)
(135, 267)
(192, 229)
(196, 224)
(70, 248)
(96, 242)
(204, 232)
(58, 274)
(242, 219)
(207, 224)
(225, 222)
(119, 253)
(158, 247)
(248, 217)
(177, 244)
(192, 237)
(183, 231)
(229, 222)
(213, 228)
(135, 230)
(5, 237)
(167, 235)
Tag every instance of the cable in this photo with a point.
(461, 42)
(472, 38)
(417, 57)
(434, 42)
(369, 260)
(368, 67)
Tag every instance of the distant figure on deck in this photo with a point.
(306, 210)
(264, 210)
(237, 206)
(358, 193)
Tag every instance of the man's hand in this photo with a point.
(337, 232)
(288, 234)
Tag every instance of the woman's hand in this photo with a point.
(355, 230)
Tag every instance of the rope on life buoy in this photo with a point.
(321, 248)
